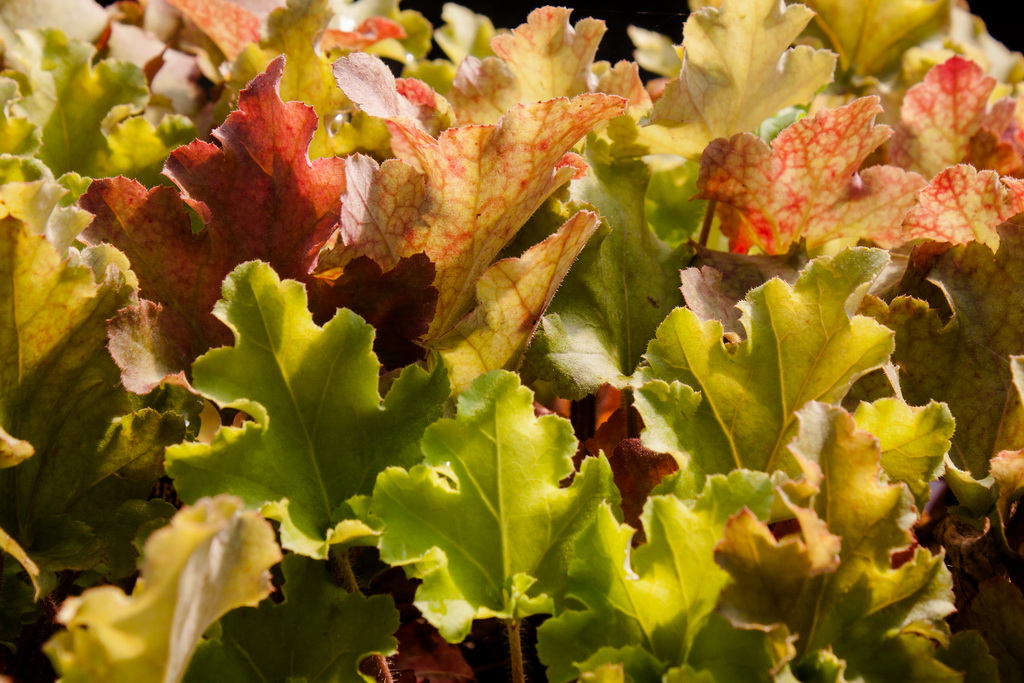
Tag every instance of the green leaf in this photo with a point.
(320, 432)
(963, 361)
(18, 136)
(484, 521)
(618, 292)
(833, 584)
(661, 600)
(319, 633)
(802, 344)
(86, 113)
(211, 558)
(70, 502)
(914, 441)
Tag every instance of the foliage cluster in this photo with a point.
(312, 372)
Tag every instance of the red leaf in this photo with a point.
(258, 196)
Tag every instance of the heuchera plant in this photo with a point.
(321, 360)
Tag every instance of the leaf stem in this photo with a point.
(709, 218)
(516, 648)
(351, 584)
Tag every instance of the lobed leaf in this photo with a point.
(320, 432)
(738, 69)
(461, 197)
(319, 632)
(512, 294)
(802, 344)
(963, 205)
(213, 557)
(833, 585)
(257, 196)
(871, 37)
(616, 295)
(806, 185)
(73, 477)
(660, 599)
(963, 360)
(483, 521)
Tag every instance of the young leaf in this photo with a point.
(963, 205)
(320, 632)
(802, 344)
(512, 294)
(212, 558)
(320, 432)
(544, 58)
(833, 585)
(616, 295)
(806, 185)
(913, 441)
(871, 37)
(941, 116)
(84, 112)
(29, 193)
(738, 69)
(464, 33)
(460, 198)
(257, 195)
(662, 599)
(487, 539)
(73, 477)
(963, 361)
(18, 135)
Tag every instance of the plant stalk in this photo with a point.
(709, 218)
(515, 647)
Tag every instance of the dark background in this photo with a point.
(668, 18)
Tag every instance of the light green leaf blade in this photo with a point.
(29, 193)
(72, 501)
(211, 558)
(483, 521)
(320, 432)
(914, 440)
(18, 136)
(77, 105)
(319, 633)
(616, 294)
(833, 583)
(662, 600)
(802, 344)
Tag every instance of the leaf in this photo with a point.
(512, 295)
(464, 33)
(941, 117)
(319, 632)
(544, 58)
(662, 599)
(871, 37)
(18, 135)
(963, 205)
(832, 583)
(320, 432)
(212, 558)
(996, 612)
(738, 69)
(806, 185)
(802, 344)
(913, 440)
(29, 193)
(963, 361)
(79, 19)
(460, 198)
(655, 52)
(83, 466)
(486, 541)
(616, 295)
(257, 195)
(86, 114)
(399, 304)
(229, 25)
